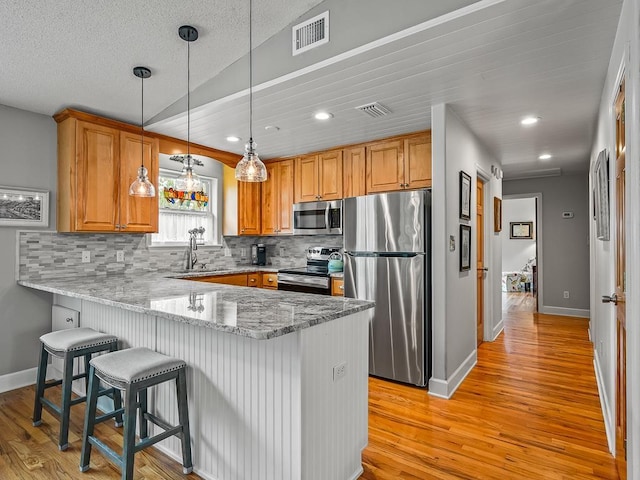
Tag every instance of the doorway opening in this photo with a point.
(520, 259)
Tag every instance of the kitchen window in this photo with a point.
(178, 214)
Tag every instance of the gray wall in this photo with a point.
(565, 242)
(28, 159)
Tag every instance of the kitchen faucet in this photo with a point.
(190, 257)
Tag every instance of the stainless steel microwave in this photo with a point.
(317, 218)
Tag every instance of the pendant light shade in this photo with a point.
(188, 181)
(141, 186)
(251, 168)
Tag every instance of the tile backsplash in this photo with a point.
(45, 255)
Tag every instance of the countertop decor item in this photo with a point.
(336, 263)
(141, 186)
(251, 168)
(188, 181)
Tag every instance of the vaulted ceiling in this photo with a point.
(494, 61)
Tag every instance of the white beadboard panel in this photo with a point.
(334, 416)
(132, 329)
(244, 402)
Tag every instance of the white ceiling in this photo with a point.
(494, 62)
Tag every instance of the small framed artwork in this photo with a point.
(23, 207)
(465, 196)
(465, 248)
(497, 214)
(521, 230)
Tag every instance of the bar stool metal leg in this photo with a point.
(40, 381)
(183, 414)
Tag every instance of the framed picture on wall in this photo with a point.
(23, 207)
(465, 196)
(521, 230)
(465, 248)
(497, 214)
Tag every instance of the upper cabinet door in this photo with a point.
(285, 187)
(97, 178)
(306, 184)
(249, 219)
(270, 200)
(385, 166)
(354, 172)
(137, 214)
(330, 175)
(417, 165)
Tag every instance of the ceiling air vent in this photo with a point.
(374, 109)
(311, 33)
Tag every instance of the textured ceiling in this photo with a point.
(63, 53)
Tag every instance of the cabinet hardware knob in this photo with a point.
(69, 320)
(118, 226)
(270, 279)
(341, 287)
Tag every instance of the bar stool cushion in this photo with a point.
(133, 365)
(63, 341)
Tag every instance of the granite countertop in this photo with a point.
(197, 272)
(250, 312)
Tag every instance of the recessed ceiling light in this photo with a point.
(272, 128)
(233, 138)
(544, 156)
(323, 116)
(529, 120)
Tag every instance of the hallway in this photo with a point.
(528, 410)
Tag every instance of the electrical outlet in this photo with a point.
(120, 256)
(282, 251)
(86, 256)
(339, 371)
(566, 294)
(243, 252)
(227, 252)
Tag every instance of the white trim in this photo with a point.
(11, 381)
(497, 330)
(606, 409)
(567, 312)
(429, 24)
(446, 388)
(539, 241)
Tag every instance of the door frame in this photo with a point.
(488, 290)
(539, 244)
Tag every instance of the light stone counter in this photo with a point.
(250, 312)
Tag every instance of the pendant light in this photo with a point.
(188, 180)
(251, 168)
(141, 186)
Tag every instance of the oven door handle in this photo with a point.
(302, 282)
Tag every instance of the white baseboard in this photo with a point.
(567, 312)
(446, 388)
(604, 405)
(497, 330)
(24, 378)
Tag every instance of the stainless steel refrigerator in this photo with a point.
(387, 259)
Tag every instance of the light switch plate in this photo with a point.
(86, 256)
(120, 256)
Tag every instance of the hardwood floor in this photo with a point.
(523, 302)
(528, 410)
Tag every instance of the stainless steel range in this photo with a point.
(314, 278)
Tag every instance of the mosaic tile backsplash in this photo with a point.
(45, 255)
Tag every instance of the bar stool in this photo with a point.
(133, 371)
(69, 345)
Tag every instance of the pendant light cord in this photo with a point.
(250, 78)
(142, 121)
(188, 99)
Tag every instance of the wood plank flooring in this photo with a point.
(529, 410)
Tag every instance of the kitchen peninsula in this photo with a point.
(277, 380)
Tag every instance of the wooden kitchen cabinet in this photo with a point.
(354, 172)
(337, 287)
(254, 280)
(270, 281)
(319, 177)
(96, 164)
(277, 199)
(399, 164)
(249, 208)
